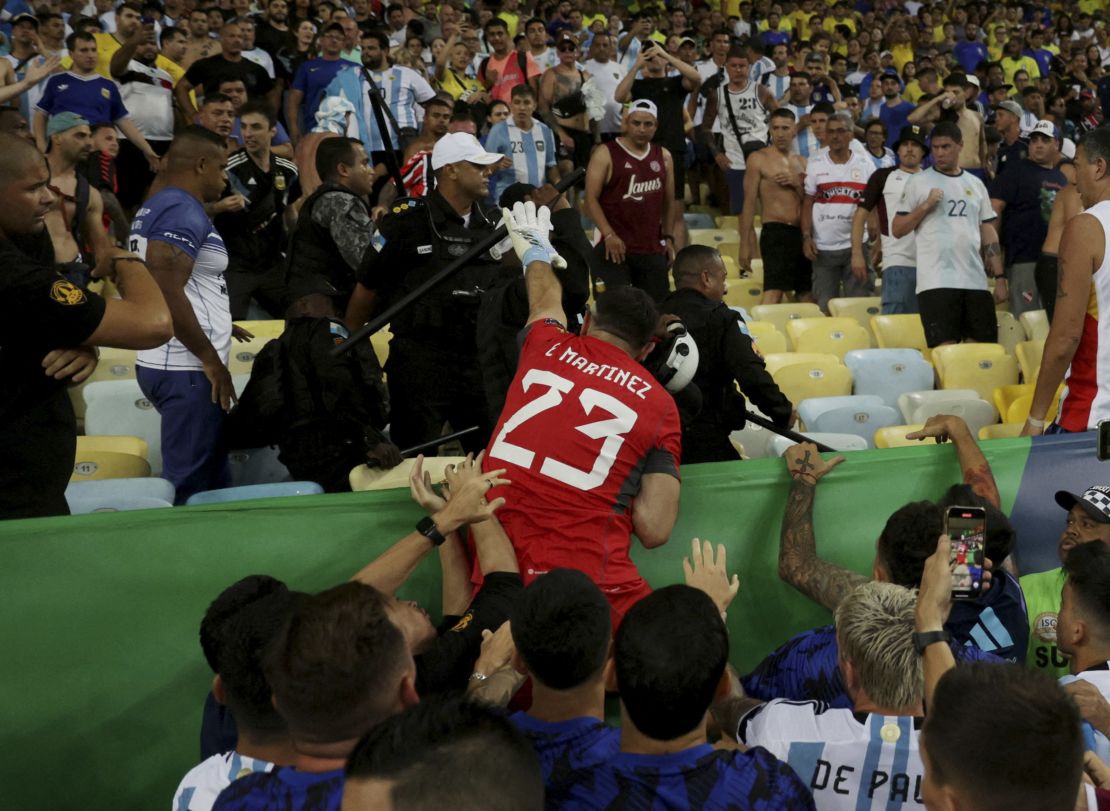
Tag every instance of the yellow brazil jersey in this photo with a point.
(799, 20)
(831, 23)
(511, 20)
(902, 54)
(107, 45)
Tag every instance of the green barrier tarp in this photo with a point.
(105, 679)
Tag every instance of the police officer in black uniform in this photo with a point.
(726, 358)
(334, 227)
(433, 372)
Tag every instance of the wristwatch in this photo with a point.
(923, 640)
(427, 527)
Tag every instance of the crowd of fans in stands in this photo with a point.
(171, 169)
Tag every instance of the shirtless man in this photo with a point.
(200, 43)
(773, 183)
(557, 87)
(75, 238)
(1046, 274)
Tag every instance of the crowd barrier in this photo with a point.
(105, 680)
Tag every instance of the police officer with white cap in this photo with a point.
(432, 371)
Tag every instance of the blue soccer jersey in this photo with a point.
(701, 777)
(284, 789)
(94, 98)
(565, 747)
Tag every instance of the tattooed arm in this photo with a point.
(821, 581)
(976, 469)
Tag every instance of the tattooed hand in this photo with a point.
(805, 463)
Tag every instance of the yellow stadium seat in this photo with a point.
(243, 353)
(1018, 411)
(746, 293)
(1010, 332)
(731, 249)
(942, 355)
(365, 478)
(108, 465)
(779, 314)
(380, 341)
(801, 376)
(1005, 396)
(900, 331)
(263, 329)
(713, 237)
(1036, 324)
(1029, 354)
(134, 445)
(836, 336)
(894, 436)
(1002, 430)
(732, 267)
(863, 309)
(984, 372)
(780, 360)
(767, 338)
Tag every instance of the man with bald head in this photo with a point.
(187, 378)
(205, 75)
(48, 328)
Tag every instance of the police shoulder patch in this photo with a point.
(65, 292)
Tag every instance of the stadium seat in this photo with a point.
(862, 421)
(713, 237)
(118, 495)
(837, 336)
(894, 436)
(254, 491)
(114, 364)
(975, 412)
(900, 331)
(801, 381)
(1000, 430)
(119, 408)
(134, 445)
(263, 329)
(1005, 396)
(1036, 324)
(1010, 332)
(732, 268)
(257, 466)
(380, 341)
(779, 314)
(1018, 410)
(730, 248)
(108, 465)
(780, 360)
(767, 338)
(810, 410)
(983, 367)
(838, 442)
(746, 293)
(1029, 354)
(888, 373)
(911, 401)
(367, 478)
(243, 353)
(863, 309)
(698, 220)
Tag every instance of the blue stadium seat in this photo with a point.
(863, 421)
(888, 373)
(809, 410)
(698, 219)
(257, 466)
(838, 442)
(253, 491)
(118, 495)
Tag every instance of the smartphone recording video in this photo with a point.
(967, 529)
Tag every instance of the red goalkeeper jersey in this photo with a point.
(582, 423)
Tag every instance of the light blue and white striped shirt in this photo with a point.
(805, 142)
(403, 90)
(531, 152)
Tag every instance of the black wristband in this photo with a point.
(427, 527)
(923, 640)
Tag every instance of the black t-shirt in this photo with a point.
(210, 71)
(1011, 154)
(39, 311)
(669, 96)
(1029, 191)
(254, 237)
(272, 40)
(450, 661)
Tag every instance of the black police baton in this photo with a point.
(439, 440)
(475, 251)
(763, 422)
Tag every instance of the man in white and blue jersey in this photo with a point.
(866, 756)
(403, 90)
(779, 78)
(810, 126)
(525, 142)
(187, 379)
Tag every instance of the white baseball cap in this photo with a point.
(1047, 128)
(644, 106)
(456, 147)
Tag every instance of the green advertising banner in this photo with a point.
(105, 679)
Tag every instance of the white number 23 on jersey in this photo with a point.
(613, 430)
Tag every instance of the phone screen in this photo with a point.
(966, 527)
(1103, 450)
